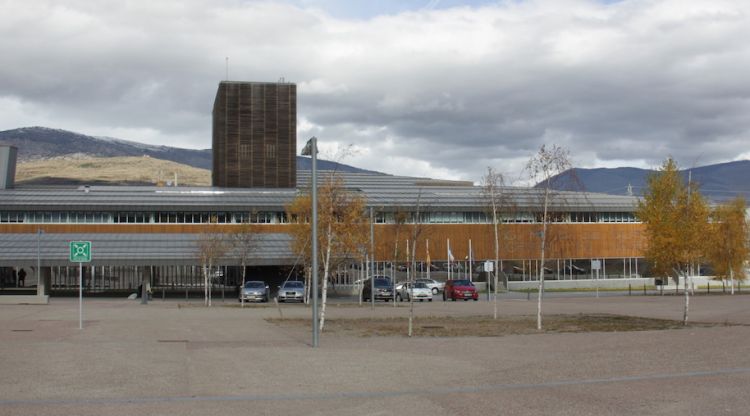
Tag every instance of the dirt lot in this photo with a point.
(167, 359)
(483, 326)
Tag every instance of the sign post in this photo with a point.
(80, 252)
(596, 265)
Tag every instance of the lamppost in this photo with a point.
(39, 233)
(311, 149)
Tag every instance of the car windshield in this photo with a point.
(291, 285)
(420, 285)
(254, 285)
(382, 283)
(425, 281)
(462, 283)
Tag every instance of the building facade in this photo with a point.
(255, 135)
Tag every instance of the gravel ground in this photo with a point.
(171, 358)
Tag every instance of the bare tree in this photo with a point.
(417, 231)
(212, 246)
(494, 199)
(542, 168)
(245, 243)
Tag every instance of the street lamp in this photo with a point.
(311, 149)
(39, 233)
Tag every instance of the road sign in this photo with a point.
(596, 264)
(80, 251)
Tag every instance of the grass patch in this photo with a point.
(482, 326)
(587, 289)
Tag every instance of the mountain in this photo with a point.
(125, 170)
(36, 143)
(717, 182)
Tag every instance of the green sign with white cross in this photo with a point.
(80, 251)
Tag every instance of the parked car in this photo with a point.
(254, 291)
(383, 289)
(291, 290)
(433, 284)
(413, 290)
(460, 289)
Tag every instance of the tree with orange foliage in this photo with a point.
(728, 250)
(676, 220)
(342, 228)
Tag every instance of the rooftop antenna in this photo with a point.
(226, 59)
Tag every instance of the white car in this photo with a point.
(416, 290)
(433, 284)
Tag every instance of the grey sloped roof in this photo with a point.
(133, 249)
(381, 191)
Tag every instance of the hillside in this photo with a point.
(81, 169)
(40, 143)
(717, 182)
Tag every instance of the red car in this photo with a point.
(460, 289)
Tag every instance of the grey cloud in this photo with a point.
(630, 81)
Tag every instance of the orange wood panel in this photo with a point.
(517, 241)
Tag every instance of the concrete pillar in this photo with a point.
(145, 284)
(45, 280)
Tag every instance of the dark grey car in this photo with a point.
(254, 291)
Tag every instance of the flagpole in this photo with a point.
(449, 258)
(471, 277)
(427, 243)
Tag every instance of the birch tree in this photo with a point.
(494, 199)
(728, 250)
(541, 168)
(244, 242)
(211, 247)
(342, 228)
(676, 220)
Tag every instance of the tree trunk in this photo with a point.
(497, 254)
(540, 292)
(687, 302)
(242, 298)
(731, 277)
(210, 282)
(205, 285)
(324, 290)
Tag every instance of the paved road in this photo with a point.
(168, 358)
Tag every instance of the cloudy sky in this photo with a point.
(430, 88)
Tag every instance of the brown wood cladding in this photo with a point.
(255, 135)
(521, 241)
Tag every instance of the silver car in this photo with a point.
(254, 291)
(433, 284)
(292, 290)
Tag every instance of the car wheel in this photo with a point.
(421, 300)
(435, 291)
(476, 299)
(429, 300)
(466, 299)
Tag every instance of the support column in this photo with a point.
(45, 279)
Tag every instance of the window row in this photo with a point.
(280, 217)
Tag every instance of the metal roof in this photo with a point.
(132, 249)
(383, 191)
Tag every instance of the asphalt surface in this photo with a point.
(169, 358)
